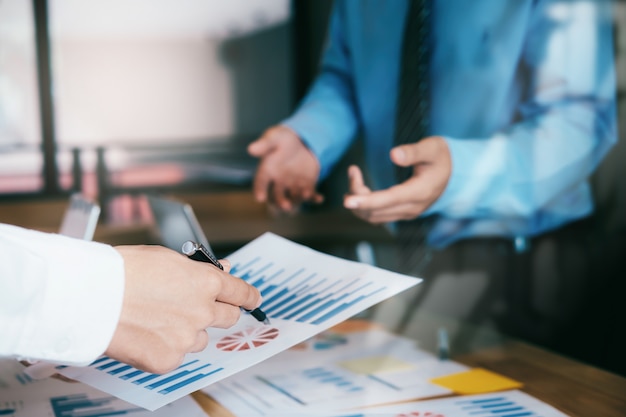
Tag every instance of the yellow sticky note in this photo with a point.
(476, 381)
(375, 364)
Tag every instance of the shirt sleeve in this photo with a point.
(60, 297)
(326, 120)
(567, 122)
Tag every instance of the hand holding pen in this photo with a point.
(167, 304)
(198, 252)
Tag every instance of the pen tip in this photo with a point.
(266, 321)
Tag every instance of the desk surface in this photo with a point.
(574, 388)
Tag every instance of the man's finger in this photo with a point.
(357, 184)
(423, 151)
(317, 198)
(376, 200)
(405, 211)
(261, 183)
(262, 146)
(280, 197)
(226, 315)
(238, 292)
(225, 264)
(201, 342)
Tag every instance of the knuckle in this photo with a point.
(187, 340)
(232, 316)
(162, 362)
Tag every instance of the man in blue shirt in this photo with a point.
(522, 111)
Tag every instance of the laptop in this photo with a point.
(80, 218)
(176, 223)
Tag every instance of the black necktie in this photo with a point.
(412, 112)
(413, 122)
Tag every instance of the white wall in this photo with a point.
(143, 72)
(140, 91)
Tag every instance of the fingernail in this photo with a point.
(352, 203)
(400, 155)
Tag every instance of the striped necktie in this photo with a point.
(413, 122)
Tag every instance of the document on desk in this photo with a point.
(500, 404)
(304, 293)
(335, 371)
(21, 396)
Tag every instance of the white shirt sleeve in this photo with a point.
(60, 297)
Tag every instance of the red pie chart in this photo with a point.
(247, 339)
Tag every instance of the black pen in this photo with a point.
(198, 252)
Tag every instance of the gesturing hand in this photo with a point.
(288, 171)
(169, 301)
(432, 167)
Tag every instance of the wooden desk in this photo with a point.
(574, 388)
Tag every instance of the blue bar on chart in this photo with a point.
(321, 383)
(11, 408)
(80, 405)
(306, 297)
(325, 376)
(182, 376)
(498, 406)
(23, 378)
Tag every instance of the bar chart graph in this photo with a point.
(304, 292)
(311, 385)
(50, 397)
(10, 408)
(504, 404)
(304, 296)
(184, 375)
(81, 405)
(498, 405)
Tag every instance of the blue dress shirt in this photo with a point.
(523, 91)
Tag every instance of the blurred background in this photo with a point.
(118, 98)
(124, 78)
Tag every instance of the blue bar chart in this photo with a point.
(304, 295)
(80, 405)
(311, 385)
(504, 404)
(23, 378)
(186, 374)
(500, 406)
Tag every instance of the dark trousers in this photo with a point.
(566, 292)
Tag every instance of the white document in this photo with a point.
(335, 371)
(498, 404)
(304, 293)
(22, 397)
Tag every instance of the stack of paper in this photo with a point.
(336, 371)
(304, 293)
(22, 397)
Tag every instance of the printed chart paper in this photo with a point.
(304, 292)
(335, 371)
(500, 404)
(21, 396)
